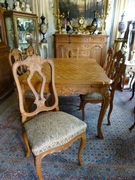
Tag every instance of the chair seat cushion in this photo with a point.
(49, 130)
(92, 96)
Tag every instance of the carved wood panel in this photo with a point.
(90, 46)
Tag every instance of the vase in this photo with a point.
(43, 28)
(68, 23)
(122, 25)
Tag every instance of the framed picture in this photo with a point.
(85, 8)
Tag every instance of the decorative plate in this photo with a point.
(29, 37)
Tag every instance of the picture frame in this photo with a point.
(83, 8)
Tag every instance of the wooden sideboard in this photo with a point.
(90, 46)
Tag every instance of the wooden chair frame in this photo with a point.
(114, 72)
(35, 64)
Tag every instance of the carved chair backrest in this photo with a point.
(16, 55)
(44, 68)
(69, 51)
(108, 61)
(117, 66)
(30, 50)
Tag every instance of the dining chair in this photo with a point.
(115, 72)
(46, 129)
(30, 50)
(97, 97)
(69, 51)
(16, 55)
(108, 61)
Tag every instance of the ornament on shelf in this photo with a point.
(122, 26)
(17, 6)
(27, 8)
(103, 16)
(22, 5)
(68, 25)
(43, 28)
(59, 16)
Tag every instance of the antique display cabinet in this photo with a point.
(6, 78)
(21, 29)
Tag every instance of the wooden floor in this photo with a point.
(7, 101)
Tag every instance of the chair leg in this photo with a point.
(82, 145)
(134, 121)
(80, 105)
(131, 81)
(37, 160)
(82, 108)
(110, 108)
(26, 143)
(133, 89)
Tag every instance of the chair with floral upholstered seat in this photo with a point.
(45, 130)
(114, 72)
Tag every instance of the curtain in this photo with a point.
(45, 7)
(120, 7)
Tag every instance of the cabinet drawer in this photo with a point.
(80, 39)
(62, 39)
(84, 53)
(99, 39)
(83, 46)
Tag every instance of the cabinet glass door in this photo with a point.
(26, 32)
(10, 32)
(21, 30)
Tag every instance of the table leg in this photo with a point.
(104, 107)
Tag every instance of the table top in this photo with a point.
(75, 75)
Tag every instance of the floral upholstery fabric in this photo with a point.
(52, 129)
(92, 96)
